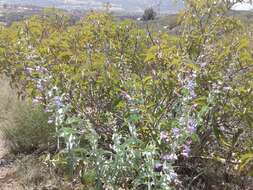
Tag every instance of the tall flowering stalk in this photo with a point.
(187, 120)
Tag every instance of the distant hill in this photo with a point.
(41, 3)
(164, 6)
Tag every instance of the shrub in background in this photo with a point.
(26, 128)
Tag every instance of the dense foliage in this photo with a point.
(139, 110)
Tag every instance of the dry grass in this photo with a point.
(24, 126)
(34, 174)
(8, 100)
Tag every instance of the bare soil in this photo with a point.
(8, 177)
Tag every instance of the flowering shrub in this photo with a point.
(131, 109)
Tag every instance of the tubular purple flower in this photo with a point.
(58, 102)
(164, 136)
(41, 69)
(191, 85)
(192, 125)
(186, 151)
(47, 110)
(158, 167)
(126, 95)
(176, 132)
(40, 86)
(28, 70)
(192, 95)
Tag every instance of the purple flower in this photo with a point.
(158, 167)
(173, 176)
(186, 151)
(203, 64)
(193, 94)
(164, 136)
(40, 86)
(29, 70)
(41, 69)
(57, 101)
(191, 85)
(194, 106)
(48, 110)
(176, 132)
(126, 95)
(192, 125)
(189, 142)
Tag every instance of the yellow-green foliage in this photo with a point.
(123, 99)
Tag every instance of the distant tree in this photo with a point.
(149, 14)
(107, 6)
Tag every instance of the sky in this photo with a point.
(123, 5)
(129, 5)
(238, 6)
(243, 6)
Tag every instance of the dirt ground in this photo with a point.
(8, 178)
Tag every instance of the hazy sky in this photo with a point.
(125, 5)
(243, 6)
(121, 4)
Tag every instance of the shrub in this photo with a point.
(27, 128)
(147, 106)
